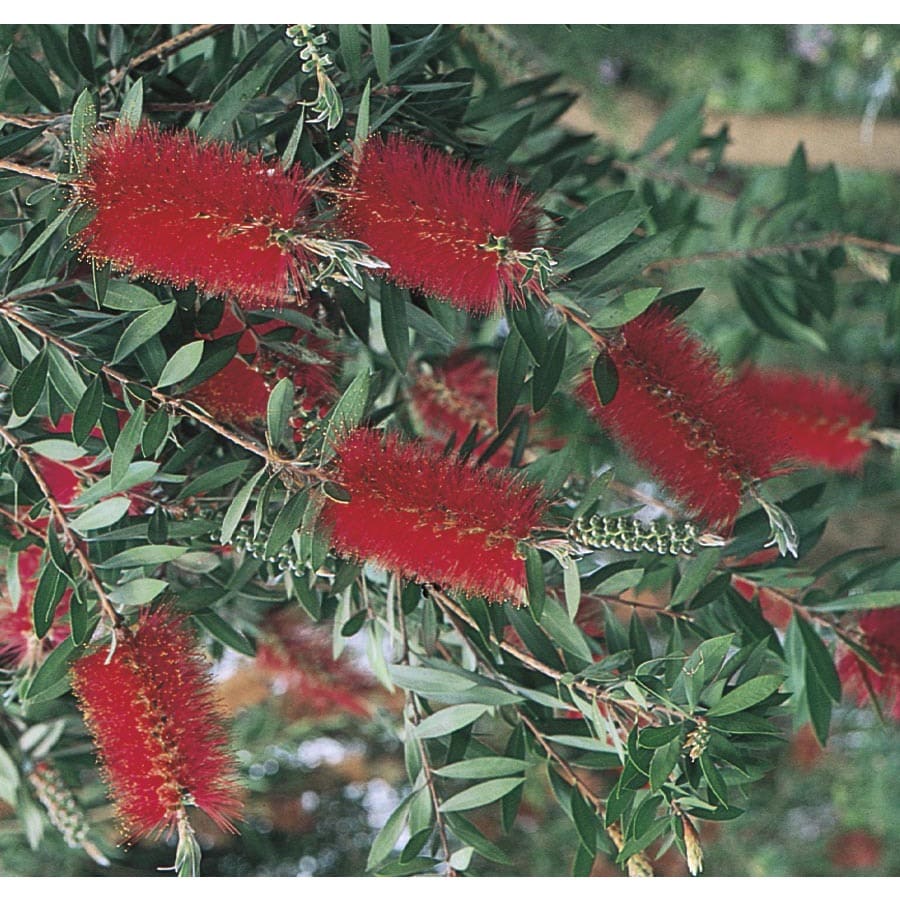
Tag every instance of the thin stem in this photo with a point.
(629, 707)
(30, 171)
(167, 48)
(824, 242)
(60, 518)
(638, 864)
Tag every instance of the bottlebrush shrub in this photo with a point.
(180, 211)
(445, 227)
(150, 708)
(880, 629)
(431, 519)
(680, 416)
(821, 419)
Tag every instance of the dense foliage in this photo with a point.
(327, 338)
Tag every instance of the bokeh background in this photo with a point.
(319, 753)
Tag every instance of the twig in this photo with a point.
(638, 864)
(824, 242)
(30, 171)
(167, 48)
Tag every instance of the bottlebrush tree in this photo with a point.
(348, 321)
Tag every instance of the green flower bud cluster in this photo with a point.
(630, 535)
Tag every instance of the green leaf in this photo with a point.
(87, 413)
(351, 51)
(49, 231)
(132, 105)
(236, 509)
(50, 587)
(286, 522)
(144, 327)
(471, 836)
(84, 120)
(279, 408)
(183, 362)
(673, 122)
(819, 659)
(630, 263)
(546, 376)
(600, 240)
(34, 79)
(746, 695)
(81, 53)
(104, 514)
(29, 384)
(714, 778)
(481, 794)
(394, 325)
(534, 578)
(9, 345)
(214, 478)
(381, 52)
(149, 555)
(664, 760)
(818, 703)
(220, 118)
(227, 634)
(511, 371)
(606, 378)
(694, 575)
(625, 308)
(428, 681)
(128, 297)
(483, 767)
(52, 674)
(387, 838)
(658, 737)
(56, 448)
(138, 592)
(867, 600)
(361, 132)
(347, 413)
(125, 447)
(451, 719)
(57, 54)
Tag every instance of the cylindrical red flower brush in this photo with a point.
(679, 415)
(445, 227)
(151, 711)
(427, 517)
(881, 637)
(180, 211)
(821, 419)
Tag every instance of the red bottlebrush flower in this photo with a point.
(19, 646)
(236, 395)
(174, 209)
(298, 658)
(445, 227)
(881, 637)
(818, 417)
(431, 519)
(152, 714)
(455, 397)
(680, 416)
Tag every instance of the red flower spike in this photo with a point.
(431, 519)
(445, 227)
(819, 417)
(236, 395)
(152, 714)
(455, 397)
(182, 212)
(19, 646)
(680, 416)
(881, 637)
